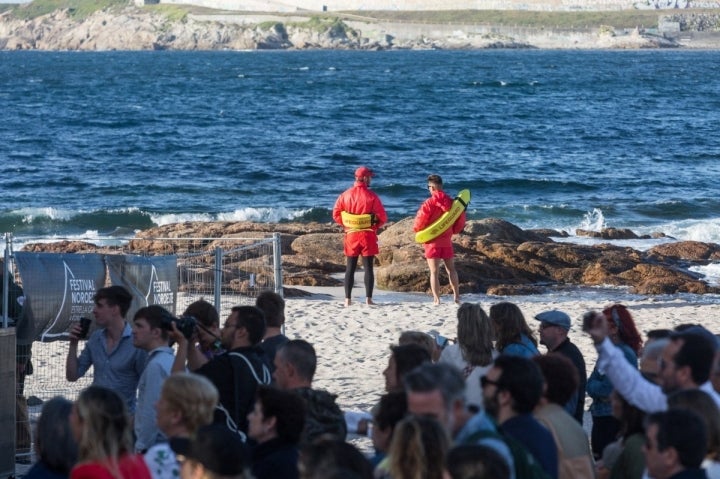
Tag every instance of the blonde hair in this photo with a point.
(475, 334)
(105, 431)
(418, 449)
(193, 396)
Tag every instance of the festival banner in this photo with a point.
(58, 289)
(150, 279)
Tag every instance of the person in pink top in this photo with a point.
(439, 249)
(101, 426)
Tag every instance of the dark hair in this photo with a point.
(204, 312)
(509, 325)
(655, 334)
(702, 404)
(156, 316)
(696, 352)
(287, 408)
(273, 305)
(442, 377)
(391, 409)
(682, 430)
(253, 320)
(115, 296)
(623, 320)
(407, 357)
(435, 179)
(301, 354)
(54, 440)
(561, 377)
(522, 378)
(325, 455)
(475, 461)
(632, 419)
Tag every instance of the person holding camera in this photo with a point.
(150, 333)
(361, 213)
(237, 373)
(117, 364)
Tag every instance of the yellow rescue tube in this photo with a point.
(440, 225)
(356, 222)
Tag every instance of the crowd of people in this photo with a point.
(238, 401)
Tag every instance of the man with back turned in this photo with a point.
(361, 213)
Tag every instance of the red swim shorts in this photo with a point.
(361, 243)
(438, 252)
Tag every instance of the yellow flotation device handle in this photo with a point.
(447, 219)
(353, 222)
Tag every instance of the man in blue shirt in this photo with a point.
(511, 389)
(117, 364)
(150, 333)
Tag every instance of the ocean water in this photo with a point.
(102, 144)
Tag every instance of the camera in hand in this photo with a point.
(185, 324)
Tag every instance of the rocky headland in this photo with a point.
(492, 256)
(137, 28)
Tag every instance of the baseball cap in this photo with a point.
(558, 318)
(363, 172)
(216, 447)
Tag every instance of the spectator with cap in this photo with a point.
(553, 331)
(214, 453)
(361, 214)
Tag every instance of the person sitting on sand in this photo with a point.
(361, 213)
(440, 248)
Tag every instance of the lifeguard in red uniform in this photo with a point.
(440, 248)
(361, 213)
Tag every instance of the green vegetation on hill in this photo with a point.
(79, 9)
(569, 20)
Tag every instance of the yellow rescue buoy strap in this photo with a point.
(361, 222)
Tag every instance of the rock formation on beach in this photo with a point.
(135, 28)
(492, 257)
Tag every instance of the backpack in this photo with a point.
(526, 466)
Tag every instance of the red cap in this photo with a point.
(363, 172)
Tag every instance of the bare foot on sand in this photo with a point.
(436, 300)
(457, 299)
(347, 302)
(369, 301)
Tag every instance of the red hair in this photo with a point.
(628, 333)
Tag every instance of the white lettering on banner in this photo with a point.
(82, 296)
(161, 287)
(82, 285)
(164, 298)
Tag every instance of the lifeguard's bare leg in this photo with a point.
(454, 281)
(434, 265)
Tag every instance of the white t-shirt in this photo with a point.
(473, 391)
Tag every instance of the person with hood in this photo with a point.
(295, 364)
(440, 248)
(361, 213)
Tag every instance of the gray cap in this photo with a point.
(558, 318)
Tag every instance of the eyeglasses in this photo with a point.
(484, 382)
(546, 325)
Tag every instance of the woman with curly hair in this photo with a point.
(473, 353)
(512, 333)
(623, 333)
(418, 449)
(101, 426)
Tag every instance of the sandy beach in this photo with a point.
(352, 343)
